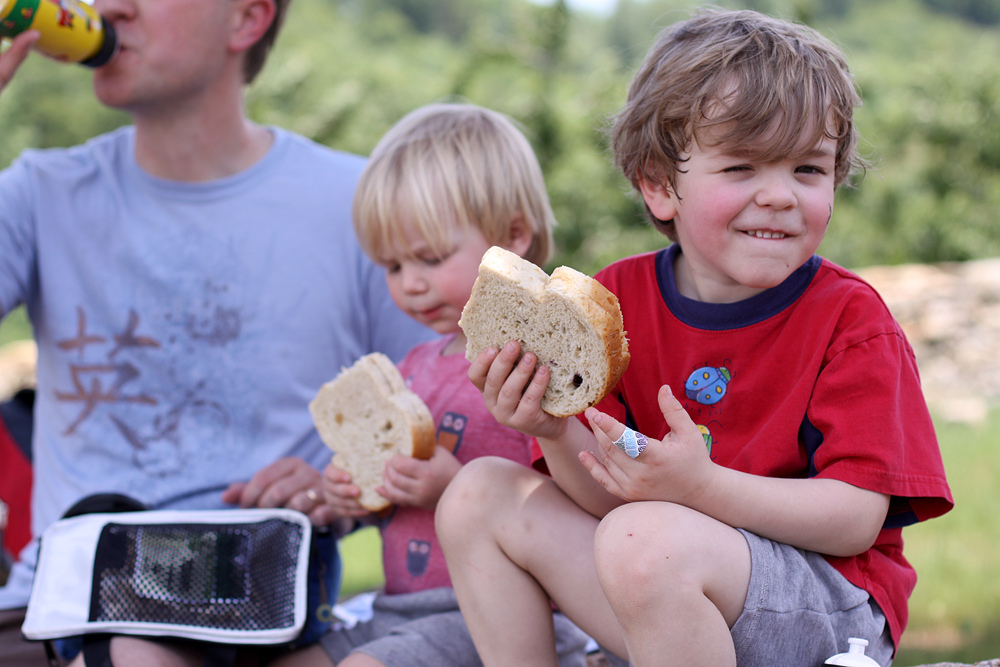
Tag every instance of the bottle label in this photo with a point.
(70, 30)
(19, 18)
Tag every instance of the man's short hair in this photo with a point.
(257, 54)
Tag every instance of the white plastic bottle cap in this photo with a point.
(855, 656)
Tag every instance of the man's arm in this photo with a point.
(10, 60)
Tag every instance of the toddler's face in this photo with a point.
(745, 224)
(430, 288)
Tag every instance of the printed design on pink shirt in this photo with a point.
(449, 432)
(418, 555)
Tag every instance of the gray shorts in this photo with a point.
(426, 629)
(800, 611)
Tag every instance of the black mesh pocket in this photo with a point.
(238, 576)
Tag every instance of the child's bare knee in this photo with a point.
(472, 494)
(633, 550)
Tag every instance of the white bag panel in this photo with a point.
(60, 600)
(56, 608)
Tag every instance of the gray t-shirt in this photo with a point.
(183, 327)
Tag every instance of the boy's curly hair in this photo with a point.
(755, 81)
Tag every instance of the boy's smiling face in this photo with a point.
(744, 224)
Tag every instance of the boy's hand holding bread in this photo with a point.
(569, 321)
(366, 415)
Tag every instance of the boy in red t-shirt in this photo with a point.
(782, 437)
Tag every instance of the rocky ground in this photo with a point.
(951, 315)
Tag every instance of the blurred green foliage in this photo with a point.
(344, 71)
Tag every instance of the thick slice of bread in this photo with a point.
(570, 321)
(366, 415)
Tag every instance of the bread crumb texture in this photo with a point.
(571, 322)
(366, 416)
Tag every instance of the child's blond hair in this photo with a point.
(756, 82)
(452, 165)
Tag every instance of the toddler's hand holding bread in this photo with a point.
(569, 321)
(366, 415)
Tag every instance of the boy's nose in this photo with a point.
(413, 279)
(776, 191)
(113, 10)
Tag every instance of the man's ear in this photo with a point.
(520, 237)
(250, 20)
(660, 199)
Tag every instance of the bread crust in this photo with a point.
(391, 421)
(591, 303)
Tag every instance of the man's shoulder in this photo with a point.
(302, 147)
(104, 145)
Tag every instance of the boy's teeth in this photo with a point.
(767, 235)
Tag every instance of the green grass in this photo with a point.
(361, 552)
(15, 326)
(955, 609)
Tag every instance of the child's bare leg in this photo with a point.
(677, 581)
(512, 539)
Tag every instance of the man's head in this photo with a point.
(172, 51)
(737, 78)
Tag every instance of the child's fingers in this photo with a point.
(538, 382)
(600, 473)
(404, 466)
(342, 499)
(499, 371)
(604, 425)
(480, 367)
(336, 475)
(517, 380)
(675, 415)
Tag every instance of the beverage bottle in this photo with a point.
(71, 30)
(855, 656)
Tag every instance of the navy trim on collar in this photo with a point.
(724, 316)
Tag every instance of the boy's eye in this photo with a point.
(736, 168)
(391, 267)
(433, 259)
(810, 169)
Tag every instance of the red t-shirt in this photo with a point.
(812, 378)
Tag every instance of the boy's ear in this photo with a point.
(520, 237)
(250, 20)
(660, 199)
